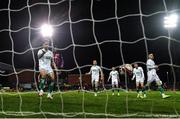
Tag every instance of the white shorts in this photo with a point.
(114, 82)
(94, 78)
(139, 80)
(152, 76)
(46, 68)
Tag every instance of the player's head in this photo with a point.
(46, 45)
(135, 65)
(113, 68)
(94, 62)
(151, 56)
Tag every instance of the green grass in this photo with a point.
(80, 104)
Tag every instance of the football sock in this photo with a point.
(42, 83)
(96, 88)
(161, 89)
(144, 89)
(51, 86)
(137, 90)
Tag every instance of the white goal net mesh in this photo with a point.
(113, 32)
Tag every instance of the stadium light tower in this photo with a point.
(170, 21)
(46, 30)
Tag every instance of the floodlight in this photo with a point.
(46, 30)
(170, 21)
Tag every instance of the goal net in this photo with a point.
(114, 33)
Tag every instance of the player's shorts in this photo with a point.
(94, 78)
(152, 76)
(114, 82)
(48, 69)
(139, 80)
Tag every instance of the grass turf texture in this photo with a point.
(125, 105)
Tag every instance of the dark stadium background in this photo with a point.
(131, 30)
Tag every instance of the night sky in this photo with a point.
(105, 28)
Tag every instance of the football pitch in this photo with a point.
(80, 104)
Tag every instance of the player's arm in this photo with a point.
(152, 66)
(121, 70)
(53, 64)
(109, 76)
(102, 75)
(133, 75)
(142, 71)
(39, 77)
(118, 77)
(41, 53)
(89, 71)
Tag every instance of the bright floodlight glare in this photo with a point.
(170, 21)
(46, 30)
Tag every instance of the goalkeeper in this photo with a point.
(45, 57)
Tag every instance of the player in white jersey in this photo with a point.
(138, 73)
(95, 72)
(114, 76)
(45, 57)
(152, 76)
